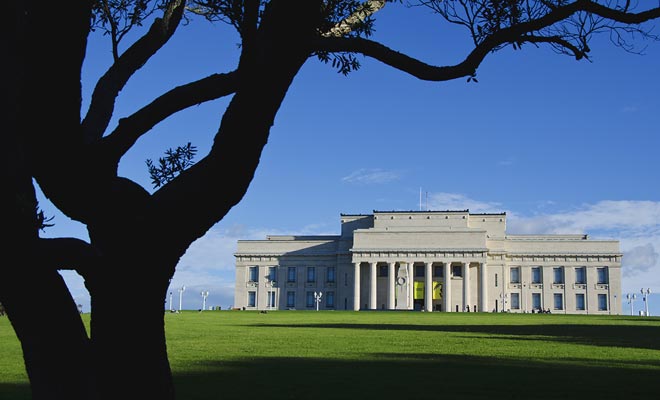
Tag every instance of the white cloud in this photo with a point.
(371, 176)
(209, 264)
(640, 259)
(630, 217)
(455, 201)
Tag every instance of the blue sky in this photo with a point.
(562, 146)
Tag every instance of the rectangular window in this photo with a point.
(438, 270)
(419, 271)
(309, 299)
(602, 302)
(331, 275)
(580, 275)
(291, 299)
(515, 274)
(382, 271)
(536, 274)
(311, 274)
(345, 278)
(291, 274)
(330, 299)
(254, 274)
(495, 280)
(252, 299)
(579, 302)
(272, 274)
(271, 299)
(602, 275)
(558, 275)
(515, 301)
(559, 301)
(457, 270)
(536, 301)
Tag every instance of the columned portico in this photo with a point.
(458, 288)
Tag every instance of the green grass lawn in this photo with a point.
(410, 355)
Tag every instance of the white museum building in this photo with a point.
(450, 261)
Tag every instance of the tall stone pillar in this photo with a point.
(411, 286)
(446, 289)
(466, 285)
(372, 286)
(403, 287)
(391, 279)
(428, 287)
(483, 303)
(356, 287)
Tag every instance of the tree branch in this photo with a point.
(201, 195)
(348, 24)
(469, 65)
(114, 80)
(67, 253)
(558, 42)
(130, 129)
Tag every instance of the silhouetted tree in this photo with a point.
(140, 234)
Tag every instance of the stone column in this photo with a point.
(372, 286)
(391, 279)
(411, 285)
(428, 288)
(466, 285)
(356, 287)
(483, 303)
(446, 289)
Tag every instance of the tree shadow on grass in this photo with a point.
(413, 376)
(629, 336)
(13, 391)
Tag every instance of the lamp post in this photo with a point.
(171, 310)
(205, 294)
(181, 290)
(645, 297)
(317, 299)
(631, 299)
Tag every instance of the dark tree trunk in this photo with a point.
(38, 303)
(128, 340)
(53, 339)
(127, 326)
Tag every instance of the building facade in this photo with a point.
(450, 261)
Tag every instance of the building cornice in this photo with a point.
(421, 250)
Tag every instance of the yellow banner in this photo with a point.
(418, 290)
(437, 290)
